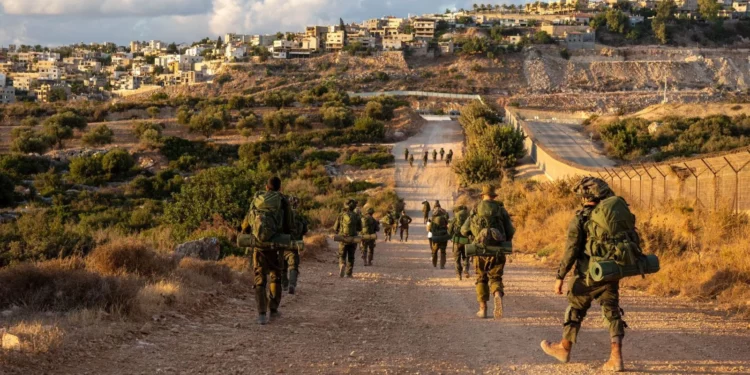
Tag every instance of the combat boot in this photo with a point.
(262, 319)
(498, 312)
(275, 314)
(482, 313)
(342, 270)
(615, 358)
(459, 276)
(293, 274)
(559, 350)
(466, 275)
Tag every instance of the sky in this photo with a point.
(60, 22)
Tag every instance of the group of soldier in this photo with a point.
(448, 158)
(488, 220)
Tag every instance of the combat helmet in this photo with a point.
(370, 211)
(350, 204)
(592, 189)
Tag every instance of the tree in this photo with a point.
(60, 127)
(709, 9)
(660, 30)
(280, 99)
(117, 162)
(58, 94)
(337, 117)
(219, 43)
(99, 136)
(184, 115)
(7, 191)
(153, 112)
(302, 122)
(26, 140)
(206, 123)
(374, 129)
(665, 10)
(172, 48)
(279, 121)
(541, 37)
(617, 21)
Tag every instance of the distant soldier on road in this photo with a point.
(434, 156)
(347, 224)
(578, 250)
(404, 222)
(425, 157)
(369, 226)
(449, 158)
(426, 210)
(489, 218)
(442, 153)
(460, 214)
(388, 221)
(411, 160)
(406, 154)
(438, 228)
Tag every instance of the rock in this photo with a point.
(206, 248)
(147, 328)
(11, 342)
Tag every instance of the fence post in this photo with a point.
(715, 172)
(640, 184)
(664, 176)
(630, 181)
(651, 193)
(619, 178)
(697, 186)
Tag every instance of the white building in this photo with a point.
(157, 45)
(235, 51)
(194, 51)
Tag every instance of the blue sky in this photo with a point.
(56, 22)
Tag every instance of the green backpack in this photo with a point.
(439, 225)
(265, 216)
(612, 235)
(370, 225)
(387, 220)
(486, 225)
(300, 226)
(348, 223)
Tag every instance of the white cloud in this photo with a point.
(110, 8)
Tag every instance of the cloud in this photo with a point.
(108, 8)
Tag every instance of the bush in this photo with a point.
(7, 188)
(142, 127)
(87, 170)
(370, 161)
(208, 121)
(99, 136)
(337, 117)
(279, 121)
(370, 127)
(118, 162)
(128, 257)
(65, 286)
(476, 168)
(23, 166)
(60, 127)
(49, 183)
(28, 141)
(213, 270)
(153, 112)
(223, 78)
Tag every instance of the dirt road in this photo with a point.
(402, 316)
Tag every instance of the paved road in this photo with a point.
(568, 143)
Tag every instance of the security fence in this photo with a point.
(712, 182)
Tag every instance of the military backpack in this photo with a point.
(348, 223)
(370, 225)
(265, 216)
(439, 225)
(486, 225)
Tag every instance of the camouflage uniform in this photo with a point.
(460, 214)
(404, 222)
(581, 293)
(411, 160)
(442, 153)
(434, 156)
(389, 223)
(347, 251)
(406, 154)
(438, 247)
(291, 258)
(369, 226)
(490, 269)
(425, 157)
(267, 263)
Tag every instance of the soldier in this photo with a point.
(489, 214)
(369, 226)
(406, 154)
(425, 158)
(291, 259)
(388, 222)
(266, 262)
(460, 214)
(582, 292)
(404, 221)
(442, 153)
(411, 160)
(449, 158)
(434, 156)
(426, 210)
(438, 227)
(347, 224)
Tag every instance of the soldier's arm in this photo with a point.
(466, 227)
(288, 219)
(573, 245)
(337, 224)
(510, 230)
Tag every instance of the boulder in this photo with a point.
(11, 342)
(205, 248)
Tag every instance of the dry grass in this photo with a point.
(158, 296)
(703, 254)
(128, 256)
(36, 338)
(214, 271)
(237, 263)
(315, 244)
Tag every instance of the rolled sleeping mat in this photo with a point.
(347, 239)
(370, 237)
(474, 250)
(279, 241)
(461, 240)
(609, 270)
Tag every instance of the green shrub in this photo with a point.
(27, 141)
(223, 78)
(476, 168)
(142, 127)
(370, 161)
(87, 170)
(157, 96)
(337, 117)
(371, 127)
(279, 121)
(99, 136)
(23, 166)
(7, 188)
(118, 162)
(49, 183)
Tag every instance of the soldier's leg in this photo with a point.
(401, 234)
(458, 259)
(342, 259)
(482, 285)
(371, 253)
(260, 271)
(443, 246)
(609, 299)
(496, 275)
(350, 254)
(285, 268)
(579, 302)
(274, 287)
(434, 249)
(467, 260)
(407, 235)
(293, 264)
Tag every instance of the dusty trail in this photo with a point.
(404, 316)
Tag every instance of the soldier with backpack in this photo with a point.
(404, 222)
(290, 270)
(442, 153)
(348, 224)
(489, 223)
(426, 210)
(425, 157)
(370, 227)
(449, 158)
(603, 229)
(460, 214)
(406, 154)
(411, 160)
(268, 219)
(438, 230)
(434, 156)
(388, 222)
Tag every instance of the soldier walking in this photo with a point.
(434, 156)
(388, 222)
(460, 214)
(442, 153)
(449, 158)
(370, 226)
(411, 160)
(404, 222)
(348, 224)
(425, 158)
(438, 228)
(582, 292)
(274, 207)
(406, 154)
(426, 210)
(291, 260)
(489, 215)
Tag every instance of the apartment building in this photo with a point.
(262, 40)
(44, 91)
(3, 79)
(7, 94)
(397, 41)
(25, 81)
(335, 40)
(235, 51)
(315, 34)
(424, 28)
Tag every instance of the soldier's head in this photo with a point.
(488, 192)
(273, 184)
(437, 204)
(592, 190)
(370, 211)
(351, 204)
(403, 212)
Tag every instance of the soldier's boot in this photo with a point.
(442, 260)
(458, 275)
(615, 363)
(466, 275)
(498, 311)
(293, 274)
(262, 319)
(261, 300)
(342, 269)
(559, 350)
(482, 313)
